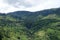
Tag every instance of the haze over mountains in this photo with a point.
(49, 10)
(27, 5)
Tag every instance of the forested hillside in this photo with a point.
(24, 25)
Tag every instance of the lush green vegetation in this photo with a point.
(43, 25)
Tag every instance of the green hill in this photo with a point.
(24, 25)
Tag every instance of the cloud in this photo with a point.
(27, 5)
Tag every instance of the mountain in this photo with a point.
(24, 25)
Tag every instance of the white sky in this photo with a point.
(27, 5)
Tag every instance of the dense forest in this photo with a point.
(24, 25)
